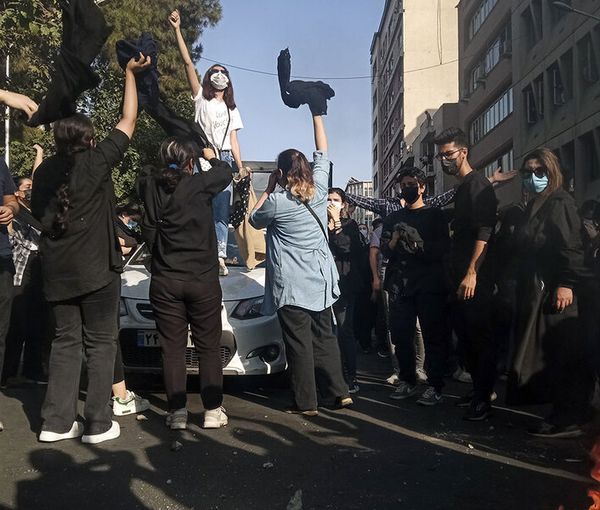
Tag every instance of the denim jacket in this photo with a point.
(300, 267)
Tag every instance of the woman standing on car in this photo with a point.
(185, 289)
(301, 279)
(73, 198)
(220, 119)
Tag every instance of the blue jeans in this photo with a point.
(221, 205)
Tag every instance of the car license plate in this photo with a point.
(150, 339)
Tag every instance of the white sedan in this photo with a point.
(251, 344)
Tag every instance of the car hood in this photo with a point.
(238, 285)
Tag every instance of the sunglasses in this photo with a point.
(446, 155)
(539, 171)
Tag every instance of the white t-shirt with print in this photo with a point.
(212, 116)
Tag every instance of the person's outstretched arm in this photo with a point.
(320, 135)
(18, 102)
(130, 100)
(190, 71)
(39, 157)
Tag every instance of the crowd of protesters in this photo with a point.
(512, 291)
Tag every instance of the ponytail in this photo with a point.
(298, 174)
(71, 135)
(175, 155)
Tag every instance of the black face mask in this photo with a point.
(27, 196)
(410, 194)
(450, 167)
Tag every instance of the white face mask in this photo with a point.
(337, 205)
(219, 80)
(364, 231)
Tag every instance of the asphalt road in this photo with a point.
(378, 455)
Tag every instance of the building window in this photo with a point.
(375, 155)
(538, 85)
(533, 98)
(480, 15)
(531, 20)
(589, 155)
(505, 161)
(501, 46)
(559, 95)
(491, 117)
(587, 60)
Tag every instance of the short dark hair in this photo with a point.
(129, 209)
(338, 191)
(411, 171)
(20, 178)
(450, 135)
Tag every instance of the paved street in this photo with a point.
(378, 455)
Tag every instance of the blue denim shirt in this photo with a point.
(300, 267)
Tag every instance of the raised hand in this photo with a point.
(137, 66)
(18, 102)
(175, 19)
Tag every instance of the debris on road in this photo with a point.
(176, 446)
(268, 465)
(141, 417)
(296, 502)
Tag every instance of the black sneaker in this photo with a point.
(478, 411)
(550, 430)
(305, 412)
(465, 401)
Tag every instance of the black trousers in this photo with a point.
(343, 309)
(431, 311)
(365, 317)
(86, 323)
(313, 355)
(29, 325)
(177, 304)
(7, 271)
(473, 324)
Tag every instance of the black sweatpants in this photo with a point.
(431, 311)
(197, 303)
(7, 271)
(313, 355)
(29, 325)
(86, 323)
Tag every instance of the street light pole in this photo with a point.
(7, 120)
(566, 7)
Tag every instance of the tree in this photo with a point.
(129, 18)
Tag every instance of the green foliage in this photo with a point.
(36, 26)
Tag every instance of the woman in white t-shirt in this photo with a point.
(217, 114)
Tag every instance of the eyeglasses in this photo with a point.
(446, 155)
(539, 171)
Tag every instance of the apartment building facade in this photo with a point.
(365, 189)
(414, 66)
(557, 88)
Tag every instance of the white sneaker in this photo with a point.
(421, 376)
(393, 379)
(47, 436)
(112, 433)
(463, 376)
(130, 405)
(223, 270)
(215, 418)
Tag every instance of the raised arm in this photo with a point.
(18, 102)
(130, 100)
(190, 71)
(320, 135)
(39, 157)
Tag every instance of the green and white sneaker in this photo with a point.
(130, 405)
(430, 397)
(404, 390)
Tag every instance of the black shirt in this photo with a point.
(7, 187)
(351, 257)
(179, 227)
(421, 270)
(86, 257)
(474, 220)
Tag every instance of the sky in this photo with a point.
(326, 38)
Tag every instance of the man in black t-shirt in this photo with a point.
(415, 239)
(471, 268)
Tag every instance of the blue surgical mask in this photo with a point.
(535, 184)
(132, 224)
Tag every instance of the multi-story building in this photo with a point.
(414, 68)
(486, 108)
(557, 87)
(365, 189)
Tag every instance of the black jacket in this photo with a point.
(351, 257)
(86, 257)
(179, 227)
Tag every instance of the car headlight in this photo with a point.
(122, 308)
(248, 308)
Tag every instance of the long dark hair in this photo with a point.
(175, 154)
(71, 135)
(551, 165)
(297, 173)
(209, 92)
